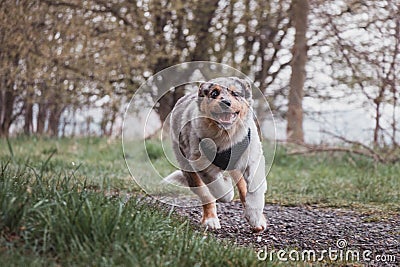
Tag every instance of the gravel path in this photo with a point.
(309, 227)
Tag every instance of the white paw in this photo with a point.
(256, 219)
(212, 223)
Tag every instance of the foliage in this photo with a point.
(68, 57)
(154, 150)
(357, 57)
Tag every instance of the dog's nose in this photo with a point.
(225, 103)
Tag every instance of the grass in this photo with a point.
(57, 205)
(50, 216)
(337, 180)
(326, 179)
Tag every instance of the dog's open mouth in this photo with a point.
(225, 118)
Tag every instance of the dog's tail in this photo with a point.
(176, 178)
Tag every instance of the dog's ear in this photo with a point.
(204, 89)
(247, 89)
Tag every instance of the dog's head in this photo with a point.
(225, 100)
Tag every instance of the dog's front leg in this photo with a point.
(210, 218)
(254, 199)
(241, 185)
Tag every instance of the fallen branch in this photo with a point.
(314, 149)
(372, 152)
(356, 147)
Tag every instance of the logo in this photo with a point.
(341, 252)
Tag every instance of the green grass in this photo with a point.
(57, 205)
(99, 160)
(338, 180)
(326, 179)
(50, 216)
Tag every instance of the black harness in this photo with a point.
(228, 158)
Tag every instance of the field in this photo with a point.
(72, 202)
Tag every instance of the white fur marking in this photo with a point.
(212, 223)
(255, 218)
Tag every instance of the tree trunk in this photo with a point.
(54, 119)
(41, 118)
(294, 128)
(167, 102)
(28, 116)
(53, 123)
(204, 14)
(7, 112)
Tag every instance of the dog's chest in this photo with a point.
(226, 159)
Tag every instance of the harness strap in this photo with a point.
(228, 158)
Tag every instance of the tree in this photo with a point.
(359, 51)
(294, 128)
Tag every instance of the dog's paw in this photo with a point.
(256, 219)
(212, 223)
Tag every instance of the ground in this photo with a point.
(309, 227)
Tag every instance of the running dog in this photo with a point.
(214, 133)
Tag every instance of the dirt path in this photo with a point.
(308, 227)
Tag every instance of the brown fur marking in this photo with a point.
(209, 211)
(242, 188)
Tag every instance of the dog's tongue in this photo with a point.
(225, 117)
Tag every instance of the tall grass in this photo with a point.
(50, 217)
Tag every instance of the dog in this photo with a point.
(214, 132)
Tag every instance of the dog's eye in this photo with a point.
(234, 93)
(214, 93)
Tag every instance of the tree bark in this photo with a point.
(294, 130)
(28, 117)
(204, 15)
(54, 119)
(41, 118)
(7, 112)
